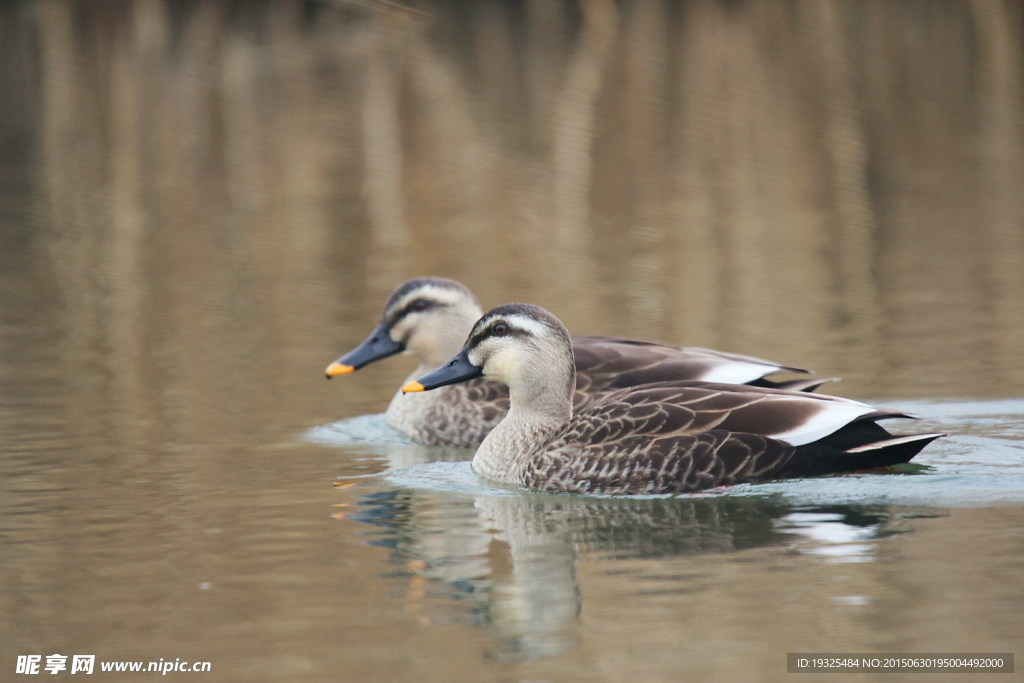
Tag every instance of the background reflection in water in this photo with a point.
(827, 183)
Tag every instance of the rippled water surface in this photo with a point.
(202, 204)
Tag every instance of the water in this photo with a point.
(530, 569)
(751, 546)
(203, 204)
(960, 470)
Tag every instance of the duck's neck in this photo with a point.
(536, 411)
(408, 412)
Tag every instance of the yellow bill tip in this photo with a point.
(337, 368)
(412, 386)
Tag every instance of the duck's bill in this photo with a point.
(338, 368)
(458, 369)
(377, 346)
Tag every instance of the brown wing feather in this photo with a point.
(693, 352)
(655, 439)
(666, 408)
(604, 363)
(672, 437)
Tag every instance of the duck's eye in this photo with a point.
(419, 305)
(499, 329)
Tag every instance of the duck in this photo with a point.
(429, 319)
(666, 437)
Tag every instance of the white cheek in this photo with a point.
(418, 336)
(502, 365)
(397, 333)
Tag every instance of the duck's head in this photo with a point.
(521, 345)
(426, 317)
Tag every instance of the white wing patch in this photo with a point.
(831, 416)
(737, 372)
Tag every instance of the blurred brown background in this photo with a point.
(831, 184)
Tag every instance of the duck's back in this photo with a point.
(604, 363)
(673, 437)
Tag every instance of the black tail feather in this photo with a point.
(825, 458)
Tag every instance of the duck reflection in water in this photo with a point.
(510, 562)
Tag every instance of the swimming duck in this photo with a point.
(429, 318)
(663, 437)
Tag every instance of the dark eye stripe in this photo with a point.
(417, 306)
(489, 331)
